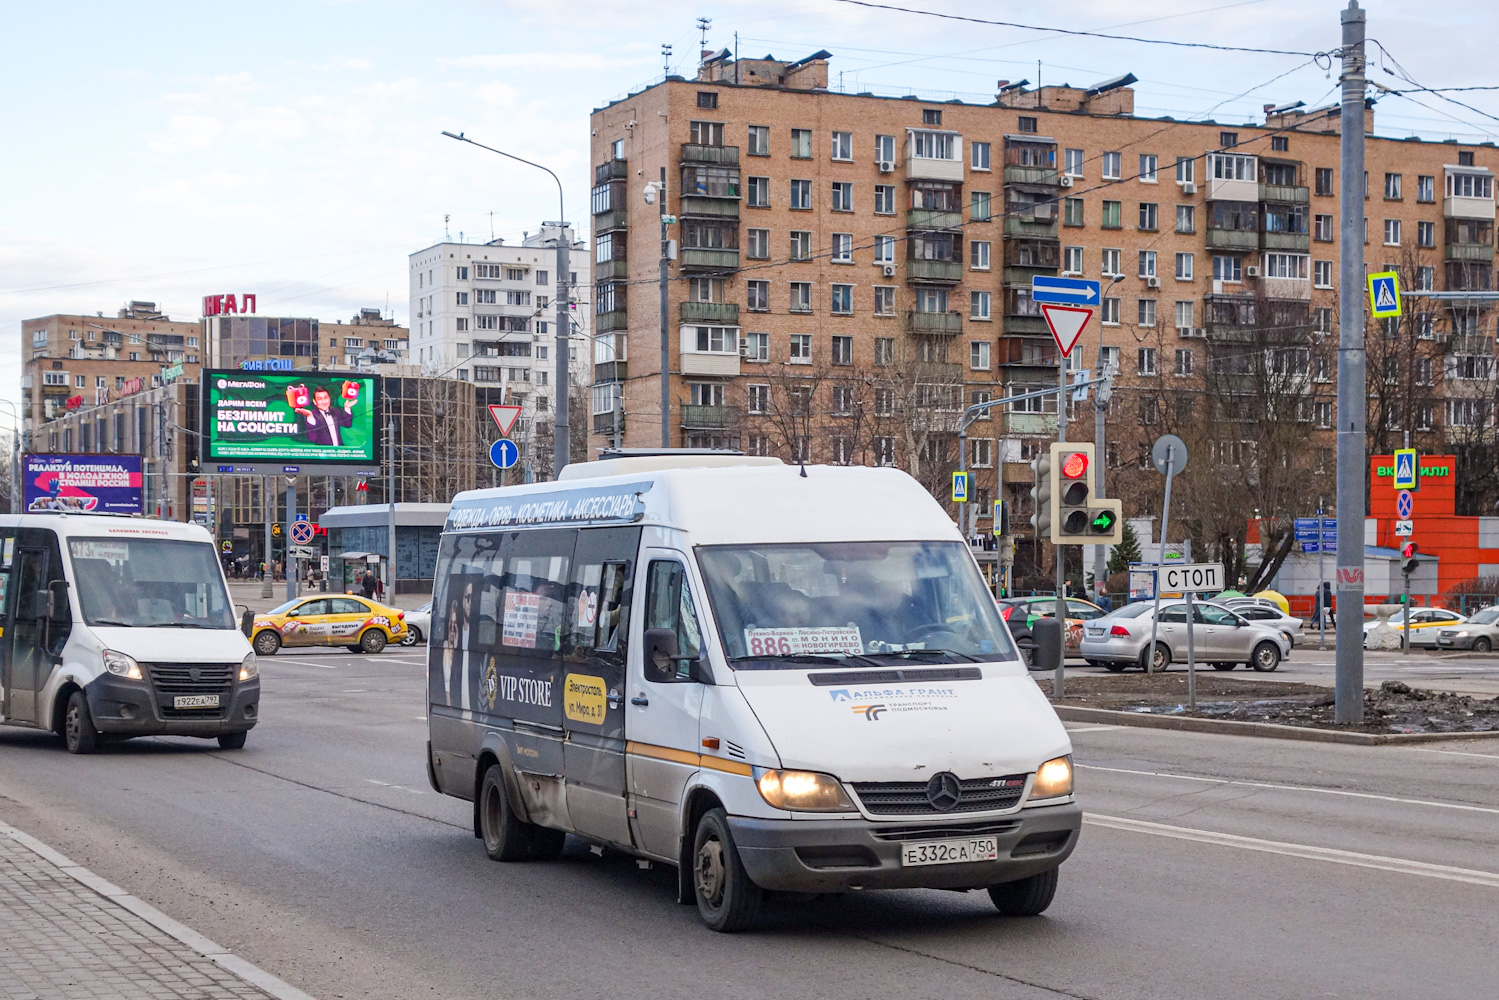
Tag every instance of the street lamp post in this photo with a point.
(16, 486)
(561, 443)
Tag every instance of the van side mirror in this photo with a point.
(1047, 635)
(660, 651)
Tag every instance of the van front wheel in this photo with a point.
(78, 730)
(1028, 897)
(726, 898)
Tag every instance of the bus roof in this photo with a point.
(95, 525)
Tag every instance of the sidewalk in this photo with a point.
(66, 934)
(247, 593)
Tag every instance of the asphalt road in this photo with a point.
(1219, 867)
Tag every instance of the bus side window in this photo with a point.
(668, 605)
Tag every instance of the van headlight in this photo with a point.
(249, 667)
(802, 791)
(1053, 779)
(122, 665)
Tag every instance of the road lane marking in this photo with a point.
(1455, 753)
(1294, 788)
(399, 788)
(1091, 729)
(1329, 854)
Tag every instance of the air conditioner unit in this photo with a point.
(887, 167)
(1190, 331)
(1251, 272)
(888, 270)
(1045, 213)
(1066, 181)
(1189, 187)
(744, 348)
(1152, 282)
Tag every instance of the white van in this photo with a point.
(120, 626)
(768, 677)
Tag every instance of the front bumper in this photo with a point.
(837, 855)
(123, 707)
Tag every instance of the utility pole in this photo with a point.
(287, 571)
(390, 500)
(269, 506)
(561, 440)
(1062, 436)
(1348, 706)
(665, 330)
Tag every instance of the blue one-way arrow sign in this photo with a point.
(1064, 291)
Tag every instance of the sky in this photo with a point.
(167, 151)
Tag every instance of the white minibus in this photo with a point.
(771, 678)
(120, 626)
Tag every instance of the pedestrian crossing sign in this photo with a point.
(1384, 294)
(1406, 464)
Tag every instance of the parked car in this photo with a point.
(1479, 633)
(1020, 614)
(356, 623)
(1265, 612)
(1426, 624)
(1219, 636)
(418, 625)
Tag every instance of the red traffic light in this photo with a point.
(1075, 465)
(1409, 551)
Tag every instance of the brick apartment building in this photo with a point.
(852, 268)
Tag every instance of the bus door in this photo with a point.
(33, 641)
(7, 558)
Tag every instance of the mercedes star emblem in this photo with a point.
(944, 791)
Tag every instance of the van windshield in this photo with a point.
(150, 583)
(786, 605)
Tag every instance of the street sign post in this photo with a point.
(1169, 453)
(503, 453)
(1384, 294)
(960, 487)
(1407, 470)
(1064, 291)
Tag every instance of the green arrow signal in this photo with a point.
(1103, 522)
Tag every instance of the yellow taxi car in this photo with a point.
(357, 624)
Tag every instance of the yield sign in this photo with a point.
(1066, 324)
(504, 417)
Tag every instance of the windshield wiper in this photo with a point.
(938, 651)
(110, 621)
(818, 658)
(177, 625)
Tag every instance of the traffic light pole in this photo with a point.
(1061, 557)
(1160, 556)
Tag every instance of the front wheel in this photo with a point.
(1482, 644)
(78, 730)
(1223, 666)
(1113, 667)
(413, 636)
(267, 642)
(1028, 897)
(232, 741)
(1266, 657)
(727, 899)
(372, 641)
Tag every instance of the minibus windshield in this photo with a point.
(786, 605)
(150, 583)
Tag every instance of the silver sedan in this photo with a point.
(1479, 633)
(1220, 637)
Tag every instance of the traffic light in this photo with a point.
(1079, 518)
(1041, 495)
(1408, 558)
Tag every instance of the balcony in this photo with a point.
(942, 272)
(1285, 194)
(1030, 424)
(1042, 226)
(933, 218)
(921, 168)
(604, 423)
(705, 206)
(1294, 242)
(605, 269)
(695, 153)
(705, 418)
(1025, 353)
(611, 170)
(928, 323)
(610, 371)
(1026, 325)
(1226, 189)
(614, 219)
(613, 320)
(1470, 251)
(699, 259)
(709, 363)
(1233, 239)
(717, 313)
(1287, 288)
(1031, 175)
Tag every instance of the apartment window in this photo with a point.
(706, 133)
(1113, 215)
(758, 140)
(1426, 188)
(843, 146)
(978, 355)
(1149, 216)
(884, 300)
(1184, 312)
(1392, 232)
(801, 245)
(1072, 260)
(843, 405)
(1424, 368)
(1109, 312)
(756, 347)
(514, 298)
(1110, 262)
(1322, 273)
(1072, 211)
(1228, 268)
(757, 192)
(705, 393)
(1426, 234)
(1280, 143)
(542, 277)
(884, 199)
(1184, 266)
(1425, 279)
(884, 352)
(1145, 361)
(1322, 414)
(1322, 319)
(801, 296)
(1470, 186)
(1146, 312)
(714, 339)
(1183, 362)
(1147, 263)
(461, 298)
(1148, 168)
(54, 378)
(1186, 169)
(801, 349)
(80, 381)
(1392, 187)
(884, 148)
(801, 194)
(757, 244)
(1284, 265)
(707, 99)
(1324, 182)
(1322, 228)
(757, 398)
(982, 458)
(843, 196)
(485, 323)
(1465, 159)
(933, 145)
(1072, 160)
(1228, 139)
(978, 306)
(884, 249)
(843, 300)
(843, 248)
(1186, 218)
(843, 350)
(978, 156)
(486, 296)
(801, 144)
(462, 274)
(1027, 123)
(981, 206)
(757, 295)
(931, 116)
(463, 324)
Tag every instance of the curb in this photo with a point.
(215, 953)
(1270, 730)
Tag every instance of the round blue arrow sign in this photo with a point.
(503, 453)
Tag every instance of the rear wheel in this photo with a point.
(726, 898)
(1113, 667)
(506, 837)
(413, 636)
(1026, 898)
(267, 642)
(1162, 657)
(78, 730)
(372, 640)
(1266, 657)
(232, 741)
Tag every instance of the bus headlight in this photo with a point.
(1053, 779)
(122, 665)
(802, 791)
(249, 668)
